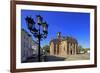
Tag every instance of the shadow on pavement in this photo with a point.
(54, 58)
(45, 59)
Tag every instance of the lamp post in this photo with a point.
(40, 32)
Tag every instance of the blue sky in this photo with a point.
(73, 24)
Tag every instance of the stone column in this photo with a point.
(66, 48)
(75, 48)
(56, 49)
(51, 49)
(69, 48)
(72, 48)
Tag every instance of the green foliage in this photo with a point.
(81, 49)
(46, 48)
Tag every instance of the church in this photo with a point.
(63, 46)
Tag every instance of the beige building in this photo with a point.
(63, 46)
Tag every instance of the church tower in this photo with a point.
(58, 43)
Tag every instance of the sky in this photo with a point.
(73, 24)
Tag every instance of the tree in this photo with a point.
(83, 50)
(80, 48)
(86, 50)
(46, 48)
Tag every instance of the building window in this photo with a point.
(24, 44)
(27, 38)
(24, 37)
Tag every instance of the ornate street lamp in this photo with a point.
(45, 29)
(39, 20)
(30, 22)
(37, 31)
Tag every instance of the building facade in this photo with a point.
(63, 46)
(27, 43)
(35, 47)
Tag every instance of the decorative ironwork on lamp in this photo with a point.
(42, 26)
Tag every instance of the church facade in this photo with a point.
(63, 46)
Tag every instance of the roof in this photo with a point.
(26, 32)
(29, 35)
(70, 39)
(67, 38)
